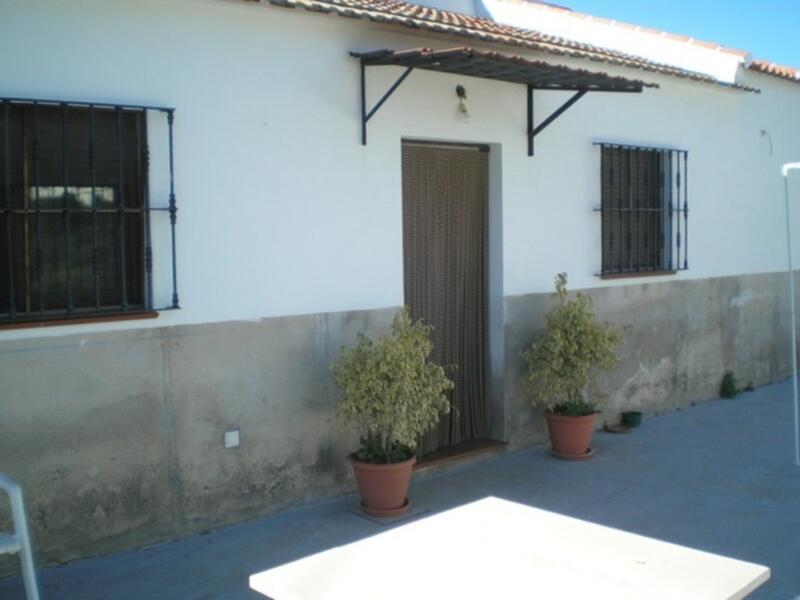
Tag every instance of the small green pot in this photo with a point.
(632, 418)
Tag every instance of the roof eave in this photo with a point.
(558, 46)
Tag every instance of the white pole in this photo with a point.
(786, 168)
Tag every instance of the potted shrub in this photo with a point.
(563, 362)
(393, 395)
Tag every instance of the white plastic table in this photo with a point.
(496, 549)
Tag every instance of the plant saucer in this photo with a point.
(574, 457)
(387, 513)
(617, 428)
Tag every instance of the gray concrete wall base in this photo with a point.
(117, 438)
(681, 337)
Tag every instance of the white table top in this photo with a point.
(494, 549)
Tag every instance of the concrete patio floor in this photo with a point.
(717, 477)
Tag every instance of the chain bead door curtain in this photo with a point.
(445, 206)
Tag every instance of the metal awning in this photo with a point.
(535, 74)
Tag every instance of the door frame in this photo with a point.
(495, 351)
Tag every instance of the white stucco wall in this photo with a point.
(282, 211)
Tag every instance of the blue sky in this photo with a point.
(769, 29)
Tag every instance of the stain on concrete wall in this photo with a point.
(682, 336)
(117, 438)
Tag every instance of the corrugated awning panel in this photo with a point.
(503, 67)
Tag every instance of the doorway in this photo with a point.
(445, 266)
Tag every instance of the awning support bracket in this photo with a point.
(366, 116)
(534, 131)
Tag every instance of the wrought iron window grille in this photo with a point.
(644, 210)
(75, 213)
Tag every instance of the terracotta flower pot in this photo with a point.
(384, 488)
(571, 437)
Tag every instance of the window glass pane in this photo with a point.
(12, 175)
(635, 208)
(78, 231)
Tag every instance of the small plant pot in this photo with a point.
(571, 437)
(632, 418)
(384, 488)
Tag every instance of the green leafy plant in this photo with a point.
(390, 391)
(729, 386)
(564, 360)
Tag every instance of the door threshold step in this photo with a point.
(461, 453)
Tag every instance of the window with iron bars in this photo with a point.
(75, 211)
(644, 210)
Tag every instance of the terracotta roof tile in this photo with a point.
(766, 67)
(770, 68)
(660, 32)
(452, 23)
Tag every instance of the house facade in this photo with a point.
(197, 217)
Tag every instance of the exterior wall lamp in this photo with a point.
(461, 92)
